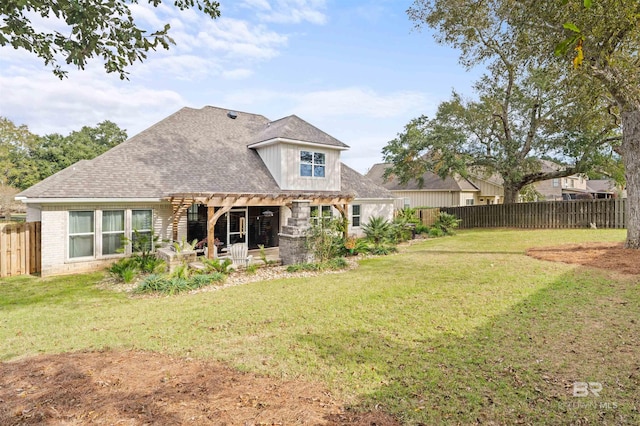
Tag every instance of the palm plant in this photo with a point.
(377, 230)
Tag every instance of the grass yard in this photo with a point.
(461, 329)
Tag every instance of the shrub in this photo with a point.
(447, 223)
(383, 250)
(124, 269)
(216, 265)
(337, 263)
(422, 229)
(153, 283)
(251, 269)
(324, 239)
(436, 232)
(377, 230)
(354, 246)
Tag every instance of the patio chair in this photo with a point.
(238, 255)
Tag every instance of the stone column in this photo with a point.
(293, 238)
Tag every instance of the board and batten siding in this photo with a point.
(433, 198)
(488, 189)
(55, 223)
(290, 170)
(271, 156)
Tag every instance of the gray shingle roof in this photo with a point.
(295, 128)
(191, 151)
(432, 182)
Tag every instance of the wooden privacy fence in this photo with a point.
(19, 248)
(608, 213)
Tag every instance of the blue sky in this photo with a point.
(355, 69)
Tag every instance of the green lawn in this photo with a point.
(461, 329)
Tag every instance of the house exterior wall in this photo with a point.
(432, 198)
(272, 158)
(55, 236)
(487, 189)
(34, 213)
(547, 189)
(369, 209)
(290, 178)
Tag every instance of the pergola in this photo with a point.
(220, 203)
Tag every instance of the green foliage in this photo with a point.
(383, 250)
(263, 256)
(124, 269)
(377, 230)
(184, 245)
(333, 264)
(436, 232)
(422, 229)
(404, 224)
(447, 223)
(251, 269)
(104, 29)
(324, 239)
(26, 158)
(156, 283)
(354, 246)
(217, 265)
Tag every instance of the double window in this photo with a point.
(103, 232)
(320, 215)
(312, 164)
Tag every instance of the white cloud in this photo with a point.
(237, 74)
(288, 11)
(256, 4)
(48, 105)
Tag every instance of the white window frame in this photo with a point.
(354, 215)
(80, 234)
(122, 233)
(149, 230)
(320, 215)
(98, 233)
(469, 201)
(313, 164)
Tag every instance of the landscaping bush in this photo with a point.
(447, 223)
(217, 265)
(124, 270)
(377, 230)
(156, 283)
(325, 240)
(336, 263)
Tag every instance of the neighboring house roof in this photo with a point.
(191, 151)
(601, 186)
(432, 182)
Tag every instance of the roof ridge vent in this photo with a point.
(232, 115)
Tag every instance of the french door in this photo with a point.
(237, 220)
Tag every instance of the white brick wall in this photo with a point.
(55, 239)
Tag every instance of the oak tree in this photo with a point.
(87, 29)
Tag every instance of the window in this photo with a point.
(556, 183)
(312, 164)
(141, 223)
(112, 231)
(320, 212)
(193, 212)
(355, 215)
(81, 234)
(407, 203)
(469, 201)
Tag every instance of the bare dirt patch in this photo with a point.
(610, 256)
(136, 388)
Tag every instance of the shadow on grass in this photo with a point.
(518, 367)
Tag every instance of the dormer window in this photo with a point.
(312, 164)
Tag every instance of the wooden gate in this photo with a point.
(19, 249)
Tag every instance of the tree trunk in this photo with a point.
(631, 157)
(510, 194)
